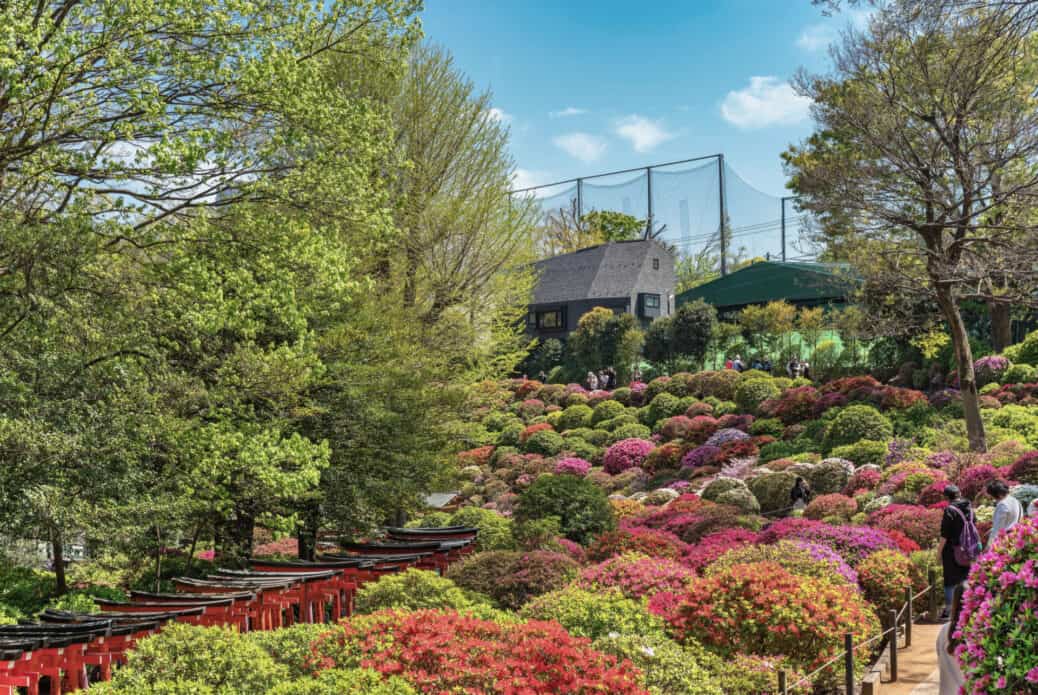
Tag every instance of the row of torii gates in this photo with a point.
(65, 652)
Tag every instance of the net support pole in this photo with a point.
(848, 663)
(580, 199)
(648, 192)
(932, 576)
(783, 202)
(720, 198)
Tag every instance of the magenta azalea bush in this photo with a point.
(714, 545)
(853, 543)
(572, 466)
(999, 622)
(990, 369)
(700, 456)
(636, 575)
(626, 453)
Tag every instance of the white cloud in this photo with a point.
(499, 115)
(582, 146)
(528, 178)
(567, 112)
(644, 134)
(817, 37)
(765, 102)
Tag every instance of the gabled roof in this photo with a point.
(773, 280)
(606, 271)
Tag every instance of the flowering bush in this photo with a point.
(669, 668)
(765, 609)
(700, 456)
(666, 457)
(709, 519)
(572, 466)
(700, 428)
(594, 614)
(794, 405)
(651, 542)
(835, 505)
(853, 543)
(1025, 469)
(479, 456)
(714, 545)
(798, 557)
(932, 493)
(884, 577)
(627, 453)
(532, 430)
(975, 479)
(990, 369)
(512, 578)
(723, 436)
(443, 651)
(863, 479)
(676, 427)
(636, 576)
(999, 623)
(738, 449)
(699, 408)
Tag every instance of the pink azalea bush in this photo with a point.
(714, 545)
(626, 453)
(636, 575)
(572, 466)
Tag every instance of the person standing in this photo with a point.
(738, 364)
(800, 495)
(1032, 508)
(957, 515)
(951, 675)
(729, 363)
(592, 381)
(1008, 510)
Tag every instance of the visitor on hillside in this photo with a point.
(592, 381)
(805, 370)
(792, 366)
(957, 515)
(738, 365)
(757, 364)
(636, 374)
(800, 495)
(611, 376)
(729, 364)
(1008, 510)
(542, 377)
(766, 366)
(951, 674)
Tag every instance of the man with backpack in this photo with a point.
(960, 543)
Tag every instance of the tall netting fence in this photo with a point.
(682, 203)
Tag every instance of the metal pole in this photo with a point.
(893, 646)
(580, 199)
(783, 201)
(782, 682)
(908, 617)
(720, 190)
(648, 184)
(848, 662)
(933, 593)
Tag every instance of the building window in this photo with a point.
(655, 264)
(652, 301)
(551, 320)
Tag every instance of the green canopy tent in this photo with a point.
(800, 284)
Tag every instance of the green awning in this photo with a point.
(766, 281)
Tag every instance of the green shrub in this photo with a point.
(575, 416)
(719, 486)
(595, 437)
(82, 600)
(495, 530)
(594, 614)
(855, 423)
(750, 393)
(1026, 351)
(8, 615)
(545, 443)
(663, 406)
(25, 590)
(740, 498)
(226, 662)
(784, 449)
(412, 590)
(669, 668)
(606, 410)
(829, 476)
(768, 426)
(772, 490)
(346, 681)
(290, 646)
(509, 435)
(617, 422)
(630, 432)
(581, 506)
(581, 449)
(862, 453)
(554, 419)
(1020, 374)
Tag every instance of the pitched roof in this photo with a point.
(605, 271)
(773, 280)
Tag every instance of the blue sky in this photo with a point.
(588, 86)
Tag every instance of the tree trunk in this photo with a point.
(307, 534)
(1001, 326)
(237, 539)
(57, 544)
(158, 559)
(191, 552)
(964, 359)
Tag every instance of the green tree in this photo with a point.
(692, 329)
(605, 339)
(609, 225)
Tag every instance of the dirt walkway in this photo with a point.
(917, 665)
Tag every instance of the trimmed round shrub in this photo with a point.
(868, 477)
(647, 541)
(1025, 469)
(663, 406)
(764, 609)
(510, 435)
(833, 505)
(990, 369)
(411, 590)
(863, 453)
(740, 498)
(772, 490)
(798, 557)
(718, 486)
(636, 576)
(750, 393)
(700, 456)
(920, 524)
(581, 506)
(593, 614)
(511, 578)
(667, 667)
(630, 431)
(1024, 493)
(855, 423)
(676, 427)
(545, 443)
(1020, 374)
(853, 543)
(607, 410)
(627, 453)
(999, 626)
(717, 384)
(666, 457)
(575, 416)
(768, 426)
(884, 576)
(974, 480)
(343, 681)
(829, 476)
(594, 437)
(448, 652)
(572, 466)
(495, 531)
(578, 448)
(617, 422)
(714, 545)
(726, 435)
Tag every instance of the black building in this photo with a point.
(634, 277)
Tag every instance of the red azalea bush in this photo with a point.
(1025, 469)
(479, 456)
(735, 421)
(666, 457)
(534, 429)
(896, 398)
(700, 428)
(835, 505)
(699, 408)
(676, 427)
(885, 575)
(627, 453)
(905, 544)
(446, 652)
(921, 524)
(710, 518)
(636, 575)
(714, 545)
(932, 493)
(862, 479)
(975, 479)
(524, 387)
(744, 448)
(793, 405)
(855, 387)
(286, 547)
(651, 542)
(764, 609)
